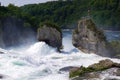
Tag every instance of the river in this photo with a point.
(42, 62)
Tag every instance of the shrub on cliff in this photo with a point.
(50, 24)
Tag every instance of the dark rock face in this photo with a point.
(89, 39)
(13, 32)
(95, 71)
(51, 36)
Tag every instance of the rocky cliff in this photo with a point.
(89, 39)
(50, 35)
(13, 32)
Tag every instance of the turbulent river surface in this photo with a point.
(112, 35)
(42, 62)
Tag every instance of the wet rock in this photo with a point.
(1, 52)
(118, 72)
(88, 76)
(95, 71)
(103, 64)
(1, 76)
(116, 64)
(67, 68)
(50, 35)
(98, 75)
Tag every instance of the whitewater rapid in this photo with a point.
(42, 62)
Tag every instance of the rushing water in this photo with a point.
(112, 35)
(42, 62)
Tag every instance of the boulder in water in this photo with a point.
(51, 34)
(94, 71)
(89, 39)
(1, 76)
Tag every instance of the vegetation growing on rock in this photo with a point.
(80, 71)
(50, 24)
(101, 66)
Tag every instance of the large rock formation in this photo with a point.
(13, 32)
(89, 39)
(95, 71)
(50, 35)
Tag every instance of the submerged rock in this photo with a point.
(94, 72)
(1, 52)
(89, 39)
(50, 35)
(1, 76)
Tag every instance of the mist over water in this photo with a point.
(14, 33)
(42, 62)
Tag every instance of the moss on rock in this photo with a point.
(50, 24)
(79, 71)
(101, 66)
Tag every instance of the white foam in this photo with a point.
(42, 62)
(40, 48)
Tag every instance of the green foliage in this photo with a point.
(27, 24)
(81, 71)
(50, 24)
(104, 12)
